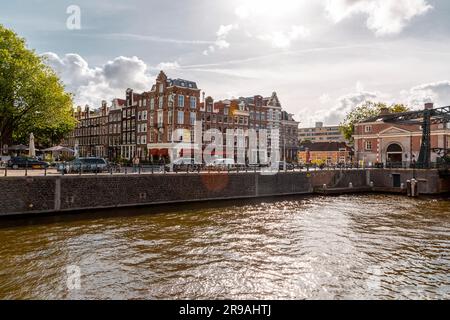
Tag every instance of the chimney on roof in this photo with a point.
(429, 106)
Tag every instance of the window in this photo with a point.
(160, 118)
(161, 102)
(208, 108)
(180, 101)
(368, 145)
(144, 115)
(180, 117)
(226, 111)
(193, 102)
(368, 129)
(170, 116)
(152, 104)
(139, 115)
(152, 121)
(161, 88)
(193, 117)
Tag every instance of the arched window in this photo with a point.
(394, 148)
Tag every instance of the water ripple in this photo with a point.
(349, 247)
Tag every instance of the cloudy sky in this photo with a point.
(322, 57)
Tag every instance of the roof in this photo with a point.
(182, 83)
(324, 146)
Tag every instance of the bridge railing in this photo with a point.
(161, 169)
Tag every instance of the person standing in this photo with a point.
(136, 162)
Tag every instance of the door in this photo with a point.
(397, 180)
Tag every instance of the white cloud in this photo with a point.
(221, 41)
(168, 66)
(416, 97)
(91, 85)
(384, 16)
(280, 39)
(436, 92)
(324, 99)
(346, 103)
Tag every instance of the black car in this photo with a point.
(22, 162)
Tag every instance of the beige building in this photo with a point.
(321, 133)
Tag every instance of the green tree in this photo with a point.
(365, 111)
(32, 98)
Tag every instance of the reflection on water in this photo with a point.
(370, 247)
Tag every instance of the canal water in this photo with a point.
(347, 247)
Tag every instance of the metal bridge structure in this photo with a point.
(426, 118)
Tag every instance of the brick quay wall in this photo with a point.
(52, 194)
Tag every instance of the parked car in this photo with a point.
(183, 164)
(84, 165)
(223, 163)
(23, 162)
(281, 165)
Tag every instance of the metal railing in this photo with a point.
(162, 169)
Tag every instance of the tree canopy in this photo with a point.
(32, 97)
(365, 111)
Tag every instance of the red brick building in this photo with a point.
(391, 143)
(91, 132)
(115, 128)
(172, 105)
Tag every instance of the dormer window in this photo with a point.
(368, 129)
(161, 88)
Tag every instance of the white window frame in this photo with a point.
(181, 101)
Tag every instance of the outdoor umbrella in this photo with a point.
(32, 148)
(59, 149)
(77, 150)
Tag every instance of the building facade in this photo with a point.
(329, 153)
(90, 136)
(289, 137)
(392, 143)
(321, 133)
(142, 125)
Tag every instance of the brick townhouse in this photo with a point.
(289, 137)
(173, 105)
(394, 143)
(115, 128)
(90, 135)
